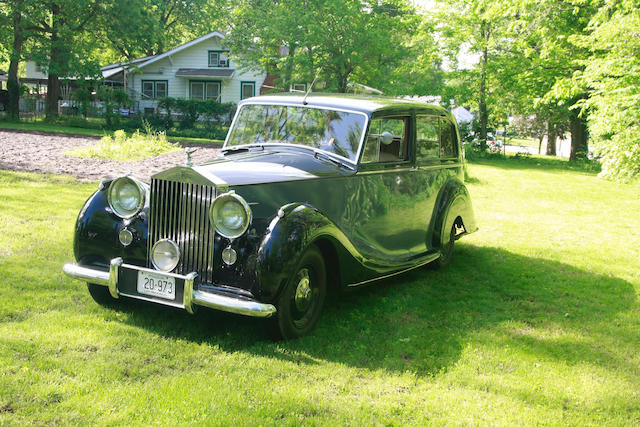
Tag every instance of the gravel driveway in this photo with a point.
(43, 153)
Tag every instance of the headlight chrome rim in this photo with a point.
(141, 199)
(177, 251)
(214, 213)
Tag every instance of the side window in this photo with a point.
(386, 141)
(448, 139)
(427, 140)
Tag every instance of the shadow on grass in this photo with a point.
(421, 321)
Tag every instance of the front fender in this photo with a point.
(96, 241)
(293, 229)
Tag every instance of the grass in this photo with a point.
(121, 147)
(535, 322)
(523, 142)
(39, 125)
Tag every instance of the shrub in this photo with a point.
(123, 148)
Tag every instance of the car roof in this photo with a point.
(364, 103)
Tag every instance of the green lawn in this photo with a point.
(523, 142)
(41, 126)
(536, 321)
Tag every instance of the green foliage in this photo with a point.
(121, 147)
(340, 41)
(613, 75)
(190, 111)
(112, 99)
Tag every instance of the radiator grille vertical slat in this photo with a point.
(180, 212)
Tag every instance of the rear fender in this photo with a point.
(454, 202)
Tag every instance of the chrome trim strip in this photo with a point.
(375, 279)
(157, 301)
(191, 296)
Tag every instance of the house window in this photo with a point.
(218, 58)
(205, 90)
(299, 87)
(155, 88)
(247, 89)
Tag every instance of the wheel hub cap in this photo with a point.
(303, 291)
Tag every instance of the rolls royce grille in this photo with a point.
(180, 212)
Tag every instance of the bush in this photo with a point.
(123, 148)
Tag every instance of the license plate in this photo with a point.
(157, 285)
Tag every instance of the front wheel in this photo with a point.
(101, 294)
(301, 301)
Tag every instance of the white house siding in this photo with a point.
(33, 71)
(196, 56)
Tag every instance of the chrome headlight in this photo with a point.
(126, 196)
(230, 214)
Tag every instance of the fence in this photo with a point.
(31, 107)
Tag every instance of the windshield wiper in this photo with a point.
(243, 148)
(319, 154)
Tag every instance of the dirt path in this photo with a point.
(43, 153)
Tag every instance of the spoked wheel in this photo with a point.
(101, 295)
(300, 303)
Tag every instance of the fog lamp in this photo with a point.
(229, 255)
(165, 255)
(126, 237)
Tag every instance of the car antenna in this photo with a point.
(304, 100)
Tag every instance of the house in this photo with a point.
(199, 69)
(462, 115)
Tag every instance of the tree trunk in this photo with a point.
(482, 96)
(579, 136)
(13, 86)
(551, 139)
(53, 80)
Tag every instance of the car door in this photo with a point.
(387, 227)
(437, 161)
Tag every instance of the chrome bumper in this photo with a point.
(191, 296)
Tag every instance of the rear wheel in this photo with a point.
(446, 251)
(101, 294)
(300, 303)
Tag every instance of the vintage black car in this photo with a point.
(308, 193)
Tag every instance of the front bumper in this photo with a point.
(190, 296)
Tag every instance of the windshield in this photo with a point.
(335, 132)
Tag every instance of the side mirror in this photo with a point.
(386, 138)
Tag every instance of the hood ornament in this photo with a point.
(189, 152)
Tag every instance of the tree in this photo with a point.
(62, 42)
(612, 75)
(477, 28)
(336, 39)
(550, 60)
(12, 18)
